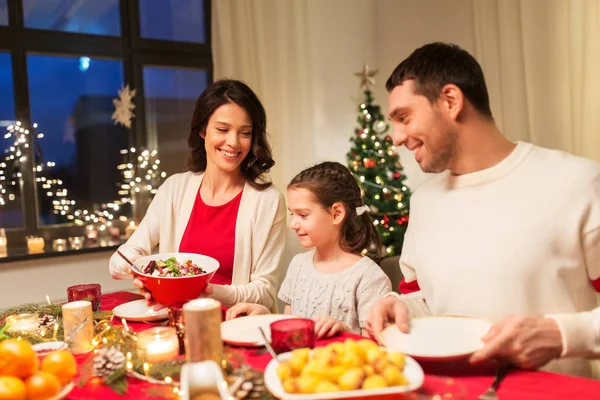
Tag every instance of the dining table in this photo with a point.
(452, 381)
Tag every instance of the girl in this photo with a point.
(335, 284)
(212, 208)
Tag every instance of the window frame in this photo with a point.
(134, 51)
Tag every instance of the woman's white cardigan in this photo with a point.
(259, 237)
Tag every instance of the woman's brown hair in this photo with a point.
(225, 91)
(331, 182)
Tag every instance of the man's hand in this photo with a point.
(326, 326)
(389, 309)
(245, 309)
(526, 341)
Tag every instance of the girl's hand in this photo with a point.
(326, 326)
(242, 309)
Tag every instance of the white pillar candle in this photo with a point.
(26, 323)
(74, 314)
(158, 344)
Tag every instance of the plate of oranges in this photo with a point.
(25, 375)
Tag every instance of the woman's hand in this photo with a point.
(147, 295)
(326, 326)
(242, 309)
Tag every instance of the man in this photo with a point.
(505, 228)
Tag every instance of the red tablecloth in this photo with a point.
(519, 385)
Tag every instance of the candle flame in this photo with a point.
(55, 331)
(146, 368)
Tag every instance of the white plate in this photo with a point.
(64, 391)
(412, 371)
(138, 310)
(244, 331)
(437, 338)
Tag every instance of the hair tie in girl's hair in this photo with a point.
(362, 209)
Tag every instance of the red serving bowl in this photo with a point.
(176, 290)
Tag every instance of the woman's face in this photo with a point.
(228, 138)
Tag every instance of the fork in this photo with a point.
(501, 373)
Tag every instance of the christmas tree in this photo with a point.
(376, 165)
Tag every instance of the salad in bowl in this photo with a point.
(175, 278)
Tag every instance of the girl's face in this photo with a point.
(314, 225)
(228, 138)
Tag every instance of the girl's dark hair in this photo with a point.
(225, 91)
(331, 182)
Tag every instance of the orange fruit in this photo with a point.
(12, 388)
(61, 364)
(41, 386)
(17, 358)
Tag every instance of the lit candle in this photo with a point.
(76, 242)
(2, 241)
(78, 325)
(35, 244)
(129, 229)
(26, 323)
(59, 244)
(158, 344)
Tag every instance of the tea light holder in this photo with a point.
(3, 241)
(176, 321)
(26, 323)
(35, 244)
(114, 231)
(91, 292)
(78, 326)
(129, 229)
(158, 344)
(76, 242)
(91, 233)
(59, 244)
(290, 334)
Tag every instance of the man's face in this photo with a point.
(424, 128)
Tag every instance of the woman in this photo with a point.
(222, 207)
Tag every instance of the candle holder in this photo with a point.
(3, 242)
(78, 326)
(129, 229)
(115, 232)
(89, 292)
(176, 321)
(26, 323)
(59, 244)
(35, 244)
(76, 242)
(290, 334)
(91, 233)
(158, 344)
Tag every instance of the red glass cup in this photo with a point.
(290, 334)
(90, 292)
(176, 321)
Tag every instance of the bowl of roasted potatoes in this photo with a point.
(340, 370)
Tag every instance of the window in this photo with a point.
(80, 16)
(3, 12)
(170, 95)
(182, 20)
(11, 213)
(62, 65)
(72, 107)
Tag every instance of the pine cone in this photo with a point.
(47, 321)
(107, 361)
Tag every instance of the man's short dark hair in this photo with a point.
(437, 64)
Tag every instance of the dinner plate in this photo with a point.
(244, 331)
(138, 310)
(412, 372)
(437, 338)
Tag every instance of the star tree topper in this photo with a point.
(124, 107)
(366, 77)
